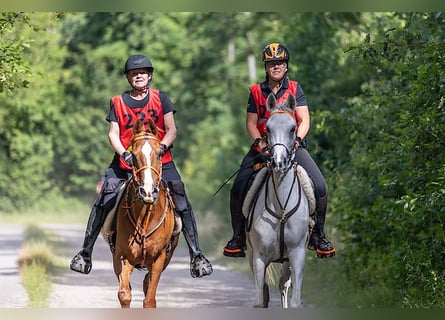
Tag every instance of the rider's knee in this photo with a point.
(179, 197)
(109, 192)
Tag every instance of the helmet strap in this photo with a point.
(139, 91)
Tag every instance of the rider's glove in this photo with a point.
(128, 157)
(300, 143)
(164, 149)
(256, 145)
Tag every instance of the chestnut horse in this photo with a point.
(146, 236)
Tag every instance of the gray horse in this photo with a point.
(277, 210)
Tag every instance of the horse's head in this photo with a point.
(281, 132)
(147, 164)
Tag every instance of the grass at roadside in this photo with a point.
(68, 210)
(37, 262)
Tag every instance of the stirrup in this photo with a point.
(312, 243)
(109, 238)
(200, 266)
(81, 264)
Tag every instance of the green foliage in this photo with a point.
(14, 70)
(395, 217)
(37, 284)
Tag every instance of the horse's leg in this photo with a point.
(266, 296)
(259, 271)
(151, 281)
(123, 272)
(285, 283)
(297, 259)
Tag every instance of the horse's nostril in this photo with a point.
(141, 192)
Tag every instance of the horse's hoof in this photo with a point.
(200, 267)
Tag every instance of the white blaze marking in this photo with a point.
(148, 180)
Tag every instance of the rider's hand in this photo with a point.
(260, 146)
(264, 148)
(300, 143)
(128, 157)
(164, 149)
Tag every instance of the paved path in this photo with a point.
(177, 289)
(12, 293)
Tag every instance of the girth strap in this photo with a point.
(283, 216)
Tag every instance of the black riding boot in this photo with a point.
(199, 265)
(318, 240)
(81, 262)
(236, 246)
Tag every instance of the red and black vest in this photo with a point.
(260, 103)
(126, 118)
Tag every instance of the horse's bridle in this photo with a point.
(290, 153)
(138, 170)
(283, 215)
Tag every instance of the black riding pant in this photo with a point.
(240, 185)
(115, 177)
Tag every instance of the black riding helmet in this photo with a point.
(275, 51)
(138, 61)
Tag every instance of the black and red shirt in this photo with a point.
(125, 110)
(258, 97)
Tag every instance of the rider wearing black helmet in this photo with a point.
(276, 59)
(140, 102)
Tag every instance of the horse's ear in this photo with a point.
(291, 103)
(152, 126)
(270, 102)
(138, 126)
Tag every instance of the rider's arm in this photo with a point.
(252, 130)
(113, 137)
(251, 121)
(303, 119)
(170, 129)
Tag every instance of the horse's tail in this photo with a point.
(273, 273)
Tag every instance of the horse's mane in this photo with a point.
(282, 107)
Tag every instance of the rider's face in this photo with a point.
(276, 69)
(138, 78)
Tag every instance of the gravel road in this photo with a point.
(177, 289)
(12, 293)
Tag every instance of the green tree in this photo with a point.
(393, 212)
(28, 117)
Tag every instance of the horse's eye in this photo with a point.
(292, 130)
(267, 129)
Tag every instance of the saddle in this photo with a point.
(258, 181)
(109, 225)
